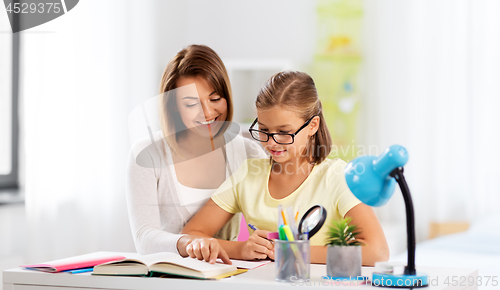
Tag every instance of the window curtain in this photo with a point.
(432, 71)
(82, 75)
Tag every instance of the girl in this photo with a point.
(196, 105)
(291, 127)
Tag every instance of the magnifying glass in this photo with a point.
(312, 221)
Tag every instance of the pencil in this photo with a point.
(284, 218)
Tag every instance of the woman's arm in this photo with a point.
(144, 209)
(375, 247)
(201, 245)
(205, 223)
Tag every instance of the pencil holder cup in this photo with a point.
(293, 260)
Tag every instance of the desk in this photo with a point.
(257, 279)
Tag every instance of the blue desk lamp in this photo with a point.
(372, 180)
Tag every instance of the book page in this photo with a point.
(250, 265)
(191, 267)
(198, 265)
(147, 260)
(151, 259)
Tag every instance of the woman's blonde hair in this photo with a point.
(295, 91)
(194, 60)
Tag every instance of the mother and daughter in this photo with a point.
(291, 128)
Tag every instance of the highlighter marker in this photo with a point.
(294, 248)
(281, 233)
(288, 233)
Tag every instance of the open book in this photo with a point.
(166, 263)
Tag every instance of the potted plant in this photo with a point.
(343, 258)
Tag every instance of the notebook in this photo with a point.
(78, 262)
(166, 263)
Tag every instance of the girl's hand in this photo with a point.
(257, 247)
(207, 249)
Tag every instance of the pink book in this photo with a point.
(78, 262)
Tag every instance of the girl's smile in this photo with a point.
(276, 153)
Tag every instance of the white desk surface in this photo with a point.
(257, 279)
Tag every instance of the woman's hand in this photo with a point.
(257, 247)
(207, 249)
(205, 224)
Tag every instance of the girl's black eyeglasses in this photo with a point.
(280, 138)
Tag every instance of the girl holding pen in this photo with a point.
(291, 127)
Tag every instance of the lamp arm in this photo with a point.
(410, 219)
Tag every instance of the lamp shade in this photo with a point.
(368, 177)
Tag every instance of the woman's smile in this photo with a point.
(208, 122)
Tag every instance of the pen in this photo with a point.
(254, 228)
(292, 223)
(77, 271)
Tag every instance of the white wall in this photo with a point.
(274, 31)
(239, 29)
(432, 71)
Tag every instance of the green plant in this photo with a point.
(341, 233)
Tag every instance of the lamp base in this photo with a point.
(400, 281)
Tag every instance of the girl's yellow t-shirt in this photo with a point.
(246, 191)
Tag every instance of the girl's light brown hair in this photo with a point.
(194, 60)
(295, 91)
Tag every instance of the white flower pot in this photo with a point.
(343, 261)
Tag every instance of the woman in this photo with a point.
(191, 156)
